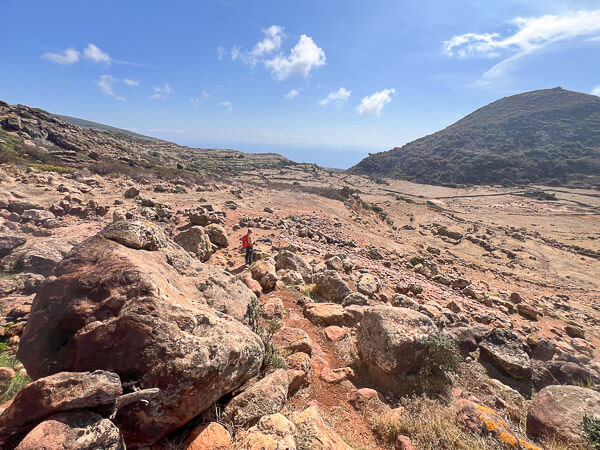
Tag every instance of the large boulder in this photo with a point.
(202, 216)
(224, 291)
(314, 433)
(9, 243)
(196, 241)
(324, 314)
(216, 234)
(263, 271)
(37, 257)
(265, 397)
(558, 411)
(368, 284)
(505, 351)
(57, 393)
(288, 260)
(139, 313)
(74, 430)
(211, 436)
(390, 342)
(273, 432)
(330, 286)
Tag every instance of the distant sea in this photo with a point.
(338, 157)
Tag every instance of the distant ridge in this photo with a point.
(101, 127)
(550, 135)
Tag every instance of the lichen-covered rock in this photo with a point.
(273, 432)
(267, 396)
(57, 393)
(315, 433)
(74, 430)
(217, 235)
(196, 241)
(139, 314)
(506, 352)
(330, 286)
(558, 411)
(263, 271)
(390, 342)
(291, 261)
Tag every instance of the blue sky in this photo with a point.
(320, 81)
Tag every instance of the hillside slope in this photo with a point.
(550, 135)
(35, 137)
(83, 123)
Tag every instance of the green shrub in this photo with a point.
(591, 431)
(441, 357)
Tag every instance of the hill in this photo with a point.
(101, 127)
(550, 135)
(37, 138)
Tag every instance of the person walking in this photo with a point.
(248, 244)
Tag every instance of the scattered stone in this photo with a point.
(211, 436)
(506, 352)
(558, 411)
(335, 333)
(325, 314)
(267, 396)
(264, 272)
(330, 286)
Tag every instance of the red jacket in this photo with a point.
(247, 241)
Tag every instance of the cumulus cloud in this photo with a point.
(161, 92)
(532, 34)
(292, 94)
(106, 85)
(596, 91)
(338, 97)
(94, 54)
(227, 105)
(271, 42)
(373, 104)
(305, 56)
(129, 82)
(69, 56)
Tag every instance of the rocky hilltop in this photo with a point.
(376, 315)
(550, 136)
(40, 138)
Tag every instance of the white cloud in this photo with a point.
(195, 101)
(373, 104)
(532, 34)
(129, 82)
(93, 53)
(226, 105)
(292, 94)
(271, 42)
(220, 52)
(106, 85)
(338, 97)
(161, 92)
(69, 56)
(303, 58)
(596, 91)
(236, 52)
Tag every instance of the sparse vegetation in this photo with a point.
(441, 358)
(591, 431)
(254, 315)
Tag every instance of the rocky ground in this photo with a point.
(377, 315)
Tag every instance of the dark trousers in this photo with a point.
(249, 255)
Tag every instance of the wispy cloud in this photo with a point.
(292, 94)
(338, 98)
(68, 56)
(106, 85)
(195, 101)
(221, 52)
(374, 103)
(129, 82)
(227, 105)
(532, 34)
(94, 54)
(161, 92)
(91, 53)
(596, 91)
